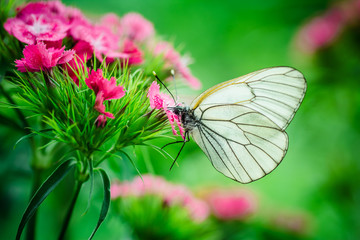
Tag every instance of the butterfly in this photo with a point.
(240, 124)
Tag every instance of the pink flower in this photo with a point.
(231, 204)
(174, 60)
(136, 27)
(104, 90)
(172, 194)
(134, 54)
(321, 31)
(36, 27)
(39, 58)
(101, 39)
(113, 22)
(163, 101)
(83, 52)
(101, 121)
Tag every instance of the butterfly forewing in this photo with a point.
(241, 122)
(274, 92)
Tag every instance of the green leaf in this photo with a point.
(30, 135)
(106, 202)
(45, 189)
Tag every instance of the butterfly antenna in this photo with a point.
(173, 76)
(164, 85)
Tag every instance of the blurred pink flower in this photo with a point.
(83, 52)
(101, 121)
(113, 22)
(39, 58)
(101, 39)
(231, 204)
(36, 27)
(163, 101)
(172, 194)
(293, 222)
(134, 54)
(136, 27)
(104, 90)
(174, 60)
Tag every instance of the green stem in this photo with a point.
(70, 210)
(31, 228)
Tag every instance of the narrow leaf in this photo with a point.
(106, 202)
(45, 189)
(31, 135)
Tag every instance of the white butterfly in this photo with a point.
(240, 124)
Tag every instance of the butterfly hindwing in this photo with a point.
(240, 142)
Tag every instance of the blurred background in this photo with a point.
(315, 190)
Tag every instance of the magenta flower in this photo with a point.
(113, 22)
(134, 54)
(174, 60)
(101, 121)
(163, 101)
(39, 58)
(101, 39)
(136, 27)
(104, 90)
(83, 52)
(172, 194)
(231, 204)
(32, 28)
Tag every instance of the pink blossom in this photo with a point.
(101, 39)
(174, 60)
(101, 121)
(36, 27)
(231, 204)
(172, 194)
(83, 52)
(163, 101)
(104, 90)
(134, 54)
(113, 22)
(39, 58)
(136, 27)
(321, 31)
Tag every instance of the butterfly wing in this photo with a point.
(240, 142)
(274, 92)
(242, 121)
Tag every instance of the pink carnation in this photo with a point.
(163, 101)
(136, 27)
(101, 121)
(113, 22)
(39, 58)
(36, 27)
(134, 54)
(83, 52)
(174, 60)
(231, 204)
(102, 40)
(104, 90)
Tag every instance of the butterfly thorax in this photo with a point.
(187, 117)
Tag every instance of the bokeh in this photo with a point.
(314, 193)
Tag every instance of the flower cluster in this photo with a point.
(324, 29)
(171, 194)
(46, 26)
(112, 38)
